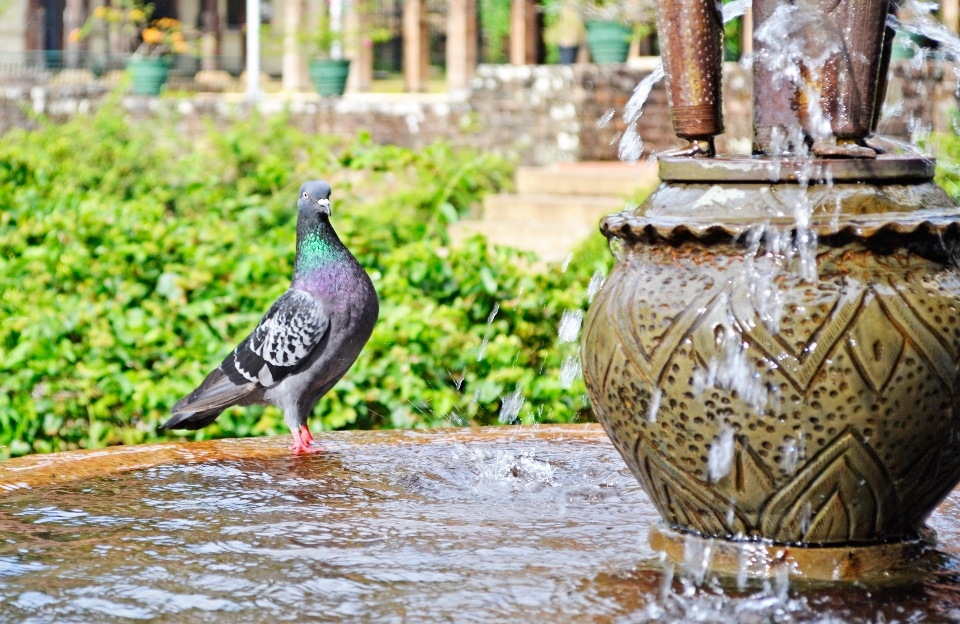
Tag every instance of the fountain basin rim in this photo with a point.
(38, 471)
(884, 168)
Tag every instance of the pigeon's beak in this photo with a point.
(324, 206)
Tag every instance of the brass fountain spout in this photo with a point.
(835, 97)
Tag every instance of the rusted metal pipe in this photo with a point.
(691, 44)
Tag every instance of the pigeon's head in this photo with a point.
(314, 198)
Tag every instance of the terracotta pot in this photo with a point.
(827, 417)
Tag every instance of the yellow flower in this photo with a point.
(167, 23)
(177, 36)
(75, 35)
(136, 15)
(100, 12)
(151, 36)
(179, 47)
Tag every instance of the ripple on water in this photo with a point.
(514, 528)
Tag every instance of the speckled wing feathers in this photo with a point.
(286, 336)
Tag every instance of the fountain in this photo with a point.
(774, 356)
(775, 353)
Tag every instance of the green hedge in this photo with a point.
(132, 261)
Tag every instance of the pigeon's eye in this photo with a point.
(304, 194)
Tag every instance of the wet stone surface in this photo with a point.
(499, 525)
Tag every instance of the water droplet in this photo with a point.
(569, 371)
(607, 116)
(720, 457)
(510, 406)
(570, 325)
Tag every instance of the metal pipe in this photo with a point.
(691, 43)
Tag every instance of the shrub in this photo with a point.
(132, 260)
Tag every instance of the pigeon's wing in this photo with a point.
(294, 326)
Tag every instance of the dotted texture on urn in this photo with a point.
(857, 439)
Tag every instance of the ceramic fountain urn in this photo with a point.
(775, 354)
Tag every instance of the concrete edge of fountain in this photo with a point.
(37, 471)
(761, 559)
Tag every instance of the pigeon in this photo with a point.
(306, 341)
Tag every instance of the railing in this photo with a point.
(42, 65)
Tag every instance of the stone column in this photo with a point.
(461, 43)
(950, 11)
(746, 33)
(416, 56)
(74, 15)
(358, 47)
(253, 51)
(518, 32)
(523, 32)
(210, 39)
(294, 64)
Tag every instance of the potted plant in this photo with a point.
(328, 68)
(566, 32)
(610, 26)
(158, 40)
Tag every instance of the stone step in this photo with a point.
(587, 178)
(551, 242)
(582, 209)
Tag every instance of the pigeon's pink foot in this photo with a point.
(306, 435)
(301, 445)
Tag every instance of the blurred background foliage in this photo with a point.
(133, 259)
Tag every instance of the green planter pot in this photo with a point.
(902, 50)
(329, 76)
(148, 75)
(609, 42)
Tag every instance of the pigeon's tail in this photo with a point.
(192, 420)
(202, 406)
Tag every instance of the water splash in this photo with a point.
(510, 406)
(654, 405)
(570, 324)
(794, 452)
(720, 457)
(917, 18)
(731, 370)
(631, 145)
(483, 349)
(697, 556)
(596, 283)
(505, 469)
(570, 371)
(607, 116)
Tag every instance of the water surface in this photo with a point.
(503, 525)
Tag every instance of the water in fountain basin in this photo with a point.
(512, 525)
